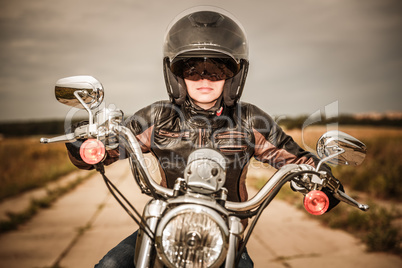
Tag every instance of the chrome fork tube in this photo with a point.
(145, 245)
(236, 230)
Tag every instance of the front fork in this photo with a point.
(235, 233)
(144, 248)
(145, 254)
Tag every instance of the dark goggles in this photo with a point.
(213, 69)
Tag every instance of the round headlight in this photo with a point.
(192, 236)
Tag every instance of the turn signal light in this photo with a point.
(316, 202)
(92, 151)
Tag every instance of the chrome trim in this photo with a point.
(199, 199)
(236, 231)
(322, 161)
(182, 209)
(66, 87)
(144, 248)
(330, 144)
(265, 190)
(350, 201)
(133, 147)
(64, 138)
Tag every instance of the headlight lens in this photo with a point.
(193, 238)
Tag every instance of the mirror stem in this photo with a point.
(91, 118)
(340, 151)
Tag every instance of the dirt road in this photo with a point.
(84, 224)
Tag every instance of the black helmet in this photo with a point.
(208, 33)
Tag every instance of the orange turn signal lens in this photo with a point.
(92, 151)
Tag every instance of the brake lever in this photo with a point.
(349, 200)
(333, 185)
(80, 132)
(70, 137)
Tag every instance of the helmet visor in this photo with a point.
(213, 69)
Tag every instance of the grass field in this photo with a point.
(26, 164)
(377, 182)
(379, 175)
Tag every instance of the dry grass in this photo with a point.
(380, 174)
(26, 164)
(378, 178)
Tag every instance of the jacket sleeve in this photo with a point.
(275, 147)
(140, 124)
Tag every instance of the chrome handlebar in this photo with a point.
(132, 146)
(263, 194)
(131, 143)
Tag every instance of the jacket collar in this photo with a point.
(198, 117)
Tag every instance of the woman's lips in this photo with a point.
(205, 89)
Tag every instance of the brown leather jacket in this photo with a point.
(240, 132)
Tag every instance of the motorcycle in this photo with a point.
(193, 224)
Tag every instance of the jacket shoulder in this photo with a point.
(145, 117)
(254, 115)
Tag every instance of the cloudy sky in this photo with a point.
(304, 54)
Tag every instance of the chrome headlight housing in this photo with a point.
(205, 171)
(192, 236)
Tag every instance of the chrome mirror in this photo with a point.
(89, 90)
(339, 148)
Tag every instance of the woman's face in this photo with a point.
(204, 92)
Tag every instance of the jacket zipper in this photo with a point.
(201, 137)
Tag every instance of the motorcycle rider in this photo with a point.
(205, 67)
